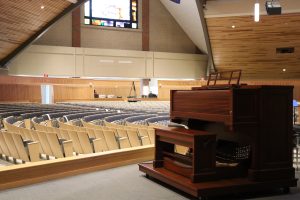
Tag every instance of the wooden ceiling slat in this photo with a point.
(252, 46)
(21, 21)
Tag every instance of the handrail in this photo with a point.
(215, 76)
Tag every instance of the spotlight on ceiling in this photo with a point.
(273, 7)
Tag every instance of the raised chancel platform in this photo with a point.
(212, 188)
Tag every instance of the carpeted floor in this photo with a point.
(124, 183)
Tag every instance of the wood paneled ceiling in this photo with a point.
(252, 46)
(22, 21)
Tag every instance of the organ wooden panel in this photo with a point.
(252, 46)
(23, 18)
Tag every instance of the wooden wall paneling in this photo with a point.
(72, 92)
(118, 88)
(252, 46)
(20, 93)
(65, 89)
(23, 18)
(27, 20)
(17, 88)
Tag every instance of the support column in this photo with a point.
(145, 24)
(211, 64)
(76, 28)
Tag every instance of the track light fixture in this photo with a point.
(256, 11)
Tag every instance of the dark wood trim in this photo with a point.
(76, 29)
(4, 62)
(145, 25)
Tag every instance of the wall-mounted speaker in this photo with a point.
(273, 7)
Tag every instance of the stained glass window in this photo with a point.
(113, 13)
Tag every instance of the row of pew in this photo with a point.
(35, 141)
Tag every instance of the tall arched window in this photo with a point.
(113, 13)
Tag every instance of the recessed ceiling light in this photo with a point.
(42, 7)
(233, 26)
(283, 70)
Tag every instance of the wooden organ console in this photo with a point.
(255, 120)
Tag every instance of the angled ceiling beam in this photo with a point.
(72, 1)
(5, 61)
(211, 64)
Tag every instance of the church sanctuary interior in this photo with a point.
(149, 99)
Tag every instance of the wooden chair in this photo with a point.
(19, 131)
(65, 149)
(90, 125)
(133, 138)
(99, 135)
(56, 130)
(64, 134)
(28, 123)
(151, 133)
(144, 137)
(39, 127)
(28, 152)
(76, 142)
(33, 134)
(11, 146)
(110, 139)
(1, 152)
(49, 129)
(35, 138)
(26, 134)
(91, 132)
(10, 127)
(67, 126)
(45, 143)
(89, 145)
(4, 147)
(48, 123)
(122, 138)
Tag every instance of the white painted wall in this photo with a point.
(59, 34)
(90, 62)
(165, 33)
(187, 16)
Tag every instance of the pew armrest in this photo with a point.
(68, 148)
